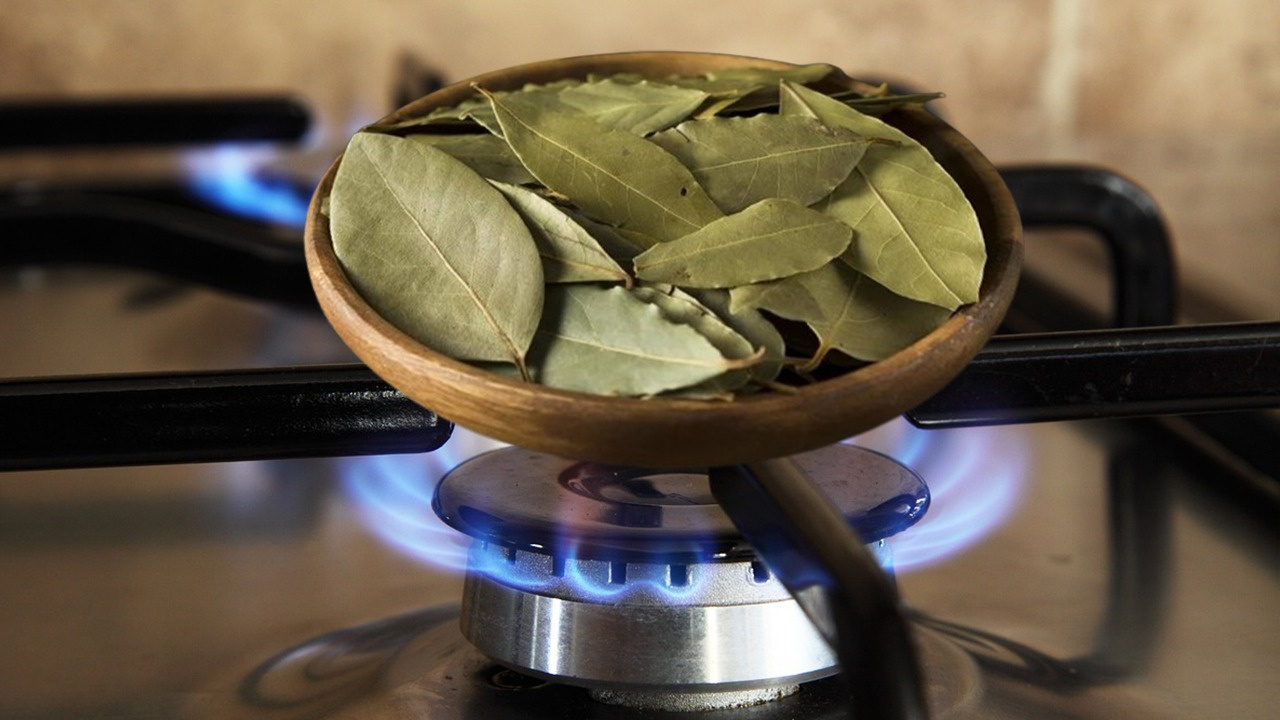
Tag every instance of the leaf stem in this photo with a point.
(524, 370)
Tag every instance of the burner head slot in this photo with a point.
(533, 501)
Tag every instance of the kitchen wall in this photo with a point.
(1181, 95)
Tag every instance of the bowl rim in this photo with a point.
(540, 418)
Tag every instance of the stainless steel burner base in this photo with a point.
(753, 641)
(419, 667)
(634, 579)
(693, 702)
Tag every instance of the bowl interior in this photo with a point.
(663, 432)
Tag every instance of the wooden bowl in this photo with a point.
(670, 432)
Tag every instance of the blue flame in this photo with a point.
(235, 176)
(643, 580)
(231, 177)
(393, 494)
(974, 477)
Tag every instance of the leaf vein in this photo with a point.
(457, 276)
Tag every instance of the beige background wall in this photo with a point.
(1181, 95)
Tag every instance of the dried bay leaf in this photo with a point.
(753, 326)
(794, 301)
(877, 104)
(881, 104)
(453, 118)
(917, 233)
(640, 108)
(772, 239)
(740, 161)
(800, 74)
(736, 89)
(486, 154)
(607, 341)
(732, 78)
(613, 175)
(569, 253)
(751, 89)
(744, 81)
(846, 310)
(473, 111)
(620, 246)
(681, 307)
(435, 249)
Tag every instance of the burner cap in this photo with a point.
(532, 501)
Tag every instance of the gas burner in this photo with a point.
(604, 591)
(634, 584)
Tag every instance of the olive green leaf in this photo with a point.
(616, 177)
(640, 108)
(736, 89)
(751, 325)
(800, 74)
(732, 78)
(622, 247)
(917, 233)
(874, 104)
(681, 307)
(750, 89)
(846, 310)
(486, 154)
(740, 161)
(626, 78)
(475, 110)
(772, 239)
(469, 283)
(454, 117)
(569, 253)
(881, 104)
(607, 341)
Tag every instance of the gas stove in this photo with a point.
(211, 512)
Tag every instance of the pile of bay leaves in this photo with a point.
(628, 236)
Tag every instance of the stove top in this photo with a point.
(1126, 581)
(1076, 569)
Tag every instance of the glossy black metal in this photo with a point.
(346, 409)
(151, 122)
(175, 239)
(1112, 373)
(1230, 437)
(243, 415)
(810, 546)
(1123, 215)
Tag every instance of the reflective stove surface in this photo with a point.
(1121, 585)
